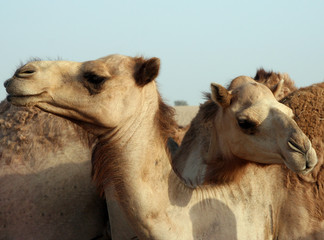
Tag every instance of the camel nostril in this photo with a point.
(308, 166)
(296, 147)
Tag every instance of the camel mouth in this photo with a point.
(23, 99)
(302, 163)
(13, 96)
(300, 157)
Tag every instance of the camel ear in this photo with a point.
(146, 70)
(220, 95)
(277, 89)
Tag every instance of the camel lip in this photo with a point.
(305, 170)
(11, 97)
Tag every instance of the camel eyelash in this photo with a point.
(246, 124)
(94, 78)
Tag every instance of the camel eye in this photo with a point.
(24, 72)
(93, 78)
(246, 124)
(28, 71)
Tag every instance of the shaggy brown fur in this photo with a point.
(270, 79)
(105, 168)
(22, 120)
(308, 106)
(38, 182)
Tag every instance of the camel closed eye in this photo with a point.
(23, 73)
(93, 78)
(28, 72)
(246, 124)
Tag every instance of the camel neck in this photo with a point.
(155, 200)
(160, 206)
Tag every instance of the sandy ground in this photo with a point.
(184, 114)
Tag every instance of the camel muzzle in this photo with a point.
(302, 145)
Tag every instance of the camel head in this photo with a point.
(242, 124)
(103, 93)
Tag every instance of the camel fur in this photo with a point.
(305, 191)
(118, 101)
(45, 170)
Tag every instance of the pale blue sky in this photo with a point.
(198, 42)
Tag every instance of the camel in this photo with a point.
(308, 106)
(31, 142)
(306, 191)
(184, 114)
(272, 79)
(118, 101)
(46, 190)
(207, 156)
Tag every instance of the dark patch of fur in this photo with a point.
(165, 120)
(222, 96)
(209, 109)
(220, 171)
(271, 79)
(262, 75)
(105, 166)
(146, 70)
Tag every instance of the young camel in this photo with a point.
(118, 101)
(45, 174)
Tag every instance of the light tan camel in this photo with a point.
(118, 101)
(45, 178)
(207, 155)
(305, 191)
(39, 153)
(184, 114)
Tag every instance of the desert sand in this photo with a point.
(184, 114)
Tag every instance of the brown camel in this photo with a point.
(46, 190)
(118, 101)
(308, 106)
(272, 79)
